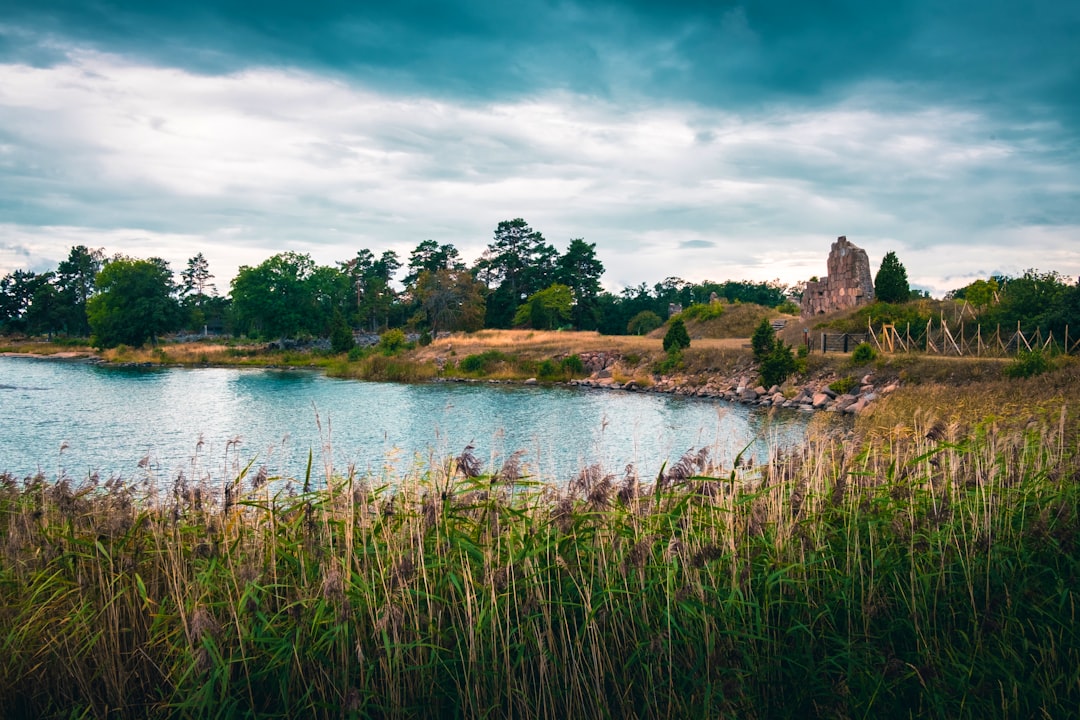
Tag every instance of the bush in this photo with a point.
(864, 353)
(392, 341)
(702, 312)
(1028, 364)
(676, 337)
(485, 362)
(341, 336)
(572, 365)
(843, 385)
(671, 363)
(778, 365)
(355, 353)
(788, 308)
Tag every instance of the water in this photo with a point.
(79, 418)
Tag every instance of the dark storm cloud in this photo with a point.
(1017, 58)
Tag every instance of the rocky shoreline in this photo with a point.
(740, 386)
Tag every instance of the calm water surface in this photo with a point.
(77, 418)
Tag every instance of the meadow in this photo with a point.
(924, 566)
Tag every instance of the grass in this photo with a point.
(928, 571)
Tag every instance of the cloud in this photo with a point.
(707, 141)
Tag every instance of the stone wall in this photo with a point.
(848, 284)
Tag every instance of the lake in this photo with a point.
(77, 418)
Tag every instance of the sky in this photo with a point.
(700, 139)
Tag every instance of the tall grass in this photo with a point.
(928, 573)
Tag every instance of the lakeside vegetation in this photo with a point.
(928, 568)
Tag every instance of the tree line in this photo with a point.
(520, 280)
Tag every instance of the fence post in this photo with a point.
(845, 342)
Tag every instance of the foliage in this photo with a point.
(1028, 364)
(450, 300)
(392, 341)
(572, 365)
(134, 302)
(484, 362)
(778, 365)
(676, 337)
(644, 323)
(341, 335)
(788, 308)
(763, 340)
(273, 298)
(702, 312)
(671, 362)
(430, 256)
(891, 281)
(843, 385)
(580, 270)
(547, 309)
(517, 264)
(863, 353)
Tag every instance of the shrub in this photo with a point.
(864, 353)
(1028, 364)
(485, 362)
(341, 336)
(676, 337)
(547, 369)
(355, 353)
(788, 308)
(843, 385)
(669, 364)
(392, 341)
(778, 365)
(702, 311)
(572, 365)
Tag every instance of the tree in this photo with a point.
(547, 309)
(135, 302)
(891, 282)
(450, 300)
(763, 340)
(580, 270)
(195, 278)
(75, 281)
(519, 263)
(431, 256)
(370, 280)
(643, 323)
(676, 337)
(273, 298)
(17, 291)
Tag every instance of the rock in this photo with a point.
(891, 387)
(760, 390)
(778, 398)
(748, 395)
(603, 373)
(530, 381)
(820, 400)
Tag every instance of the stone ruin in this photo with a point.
(848, 284)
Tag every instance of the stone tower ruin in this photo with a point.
(848, 284)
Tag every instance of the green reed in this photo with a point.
(923, 574)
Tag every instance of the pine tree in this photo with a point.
(891, 283)
(676, 338)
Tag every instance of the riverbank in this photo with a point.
(711, 368)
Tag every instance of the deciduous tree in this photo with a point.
(135, 302)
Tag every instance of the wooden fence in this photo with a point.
(968, 340)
